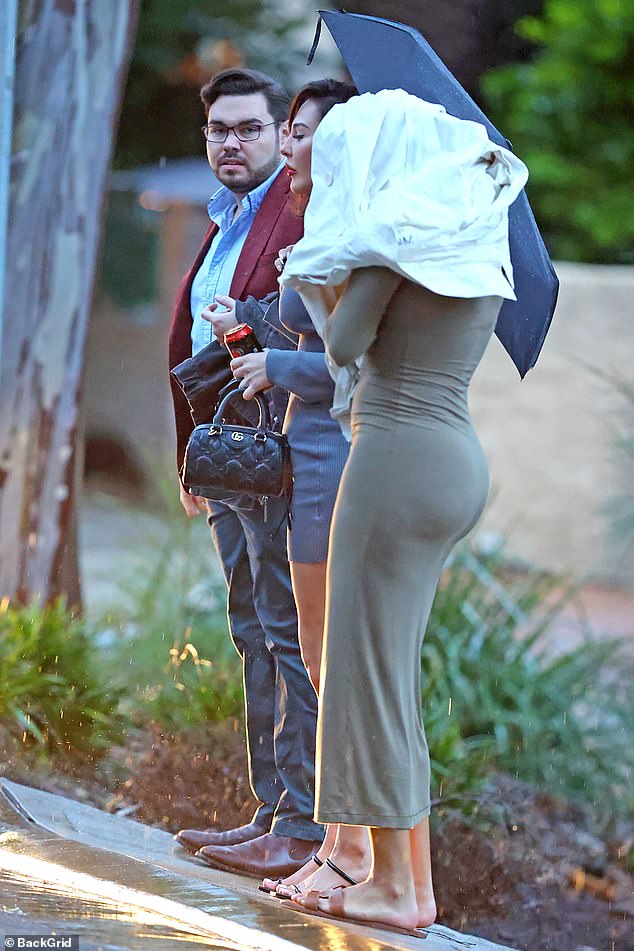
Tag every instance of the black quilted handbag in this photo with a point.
(222, 458)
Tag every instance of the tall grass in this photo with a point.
(561, 720)
(52, 691)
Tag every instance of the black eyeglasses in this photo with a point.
(245, 132)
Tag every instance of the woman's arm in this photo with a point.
(354, 322)
(302, 372)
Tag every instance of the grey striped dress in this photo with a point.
(318, 449)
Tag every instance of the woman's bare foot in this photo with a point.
(398, 891)
(421, 868)
(326, 878)
(380, 904)
(313, 863)
(350, 854)
(293, 881)
(426, 913)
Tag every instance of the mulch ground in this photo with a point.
(528, 874)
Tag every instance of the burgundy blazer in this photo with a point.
(274, 226)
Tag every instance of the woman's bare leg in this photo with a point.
(388, 894)
(421, 865)
(309, 588)
(350, 852)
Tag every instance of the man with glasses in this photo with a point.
(251, 220)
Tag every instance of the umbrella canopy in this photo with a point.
(381, 54)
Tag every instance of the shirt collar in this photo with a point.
(223, 201)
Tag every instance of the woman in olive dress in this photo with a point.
(409, 218)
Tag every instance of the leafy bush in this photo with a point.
(564, 721)
(52, 693)
(195, 690)
(569, 116)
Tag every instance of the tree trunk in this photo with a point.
(71, 58)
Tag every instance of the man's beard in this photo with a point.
(242, 179)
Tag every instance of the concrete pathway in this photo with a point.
(60, 849)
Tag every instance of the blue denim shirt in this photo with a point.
(216, 272)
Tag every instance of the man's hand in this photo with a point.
(251, 369)
(193, 504)
(221, 321)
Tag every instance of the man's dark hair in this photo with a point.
(244, 82)
(325, 93)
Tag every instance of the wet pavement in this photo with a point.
(43, 908)
(70, 869)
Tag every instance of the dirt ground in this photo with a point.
(530, 875)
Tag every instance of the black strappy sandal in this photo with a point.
(347, 878)
(273, 891)
(341, 872)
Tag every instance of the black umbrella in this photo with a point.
(381, 54)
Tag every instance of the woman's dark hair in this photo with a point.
(325, 93)
(244, 82)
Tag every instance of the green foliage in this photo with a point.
(195, 690)
(569, 114)
(129, 279)
(172, 654)
(52, 693)
(458, 762)
(162, 112)
(563, 721)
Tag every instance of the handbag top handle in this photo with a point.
(264, 422)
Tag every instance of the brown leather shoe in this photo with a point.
(270, 855)
(195, 839)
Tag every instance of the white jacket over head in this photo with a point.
(399, 183)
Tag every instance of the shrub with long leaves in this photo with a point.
(564, 721)
(52, 692)
(195, 690)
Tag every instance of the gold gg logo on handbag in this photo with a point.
(237, 437)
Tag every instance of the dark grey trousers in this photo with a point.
(280, 703)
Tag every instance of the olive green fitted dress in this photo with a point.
(415, 482)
